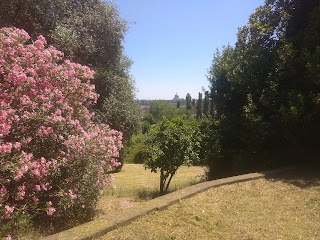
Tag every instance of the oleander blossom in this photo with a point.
(51, 211)
(50, 149)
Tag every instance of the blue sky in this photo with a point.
(172, 42)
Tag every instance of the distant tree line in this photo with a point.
(263, 107)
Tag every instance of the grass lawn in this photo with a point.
(274, 208)
(135, 185)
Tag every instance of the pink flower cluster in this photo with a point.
(8, 211)
(49, 146)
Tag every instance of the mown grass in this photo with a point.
(278, 208)
(134, 181)
(134, 185)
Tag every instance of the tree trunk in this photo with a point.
(166, 190)
(162, 182)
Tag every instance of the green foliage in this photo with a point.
(149, 118)
(162, 108)
(84, 30)
(136, 151)
(199, 106)
(178, 103)
(116, 106)
(145, 127)
(193, 103)
(210, 149)
(265, 89)
(188, 101)
(171, 144)
(206, 102)
(89, 32)
(225, 101)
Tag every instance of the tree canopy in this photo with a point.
(172, 143)
(265, 89)
(89, 32)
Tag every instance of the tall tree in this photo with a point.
(265, 89)
(188, 101)
(224, 99)
(199, 106)
(206, 103)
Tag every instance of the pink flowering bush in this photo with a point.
(53, 158)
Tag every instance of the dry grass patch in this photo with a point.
(135, 185)
(287, 208)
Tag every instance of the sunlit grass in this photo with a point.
(134, 185)
(258, 209)
(134, 181)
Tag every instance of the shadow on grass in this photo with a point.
(147, 194)
(300, 176)
(151, 193)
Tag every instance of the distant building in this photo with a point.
(176, 97)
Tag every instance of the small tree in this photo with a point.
(173, 143)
